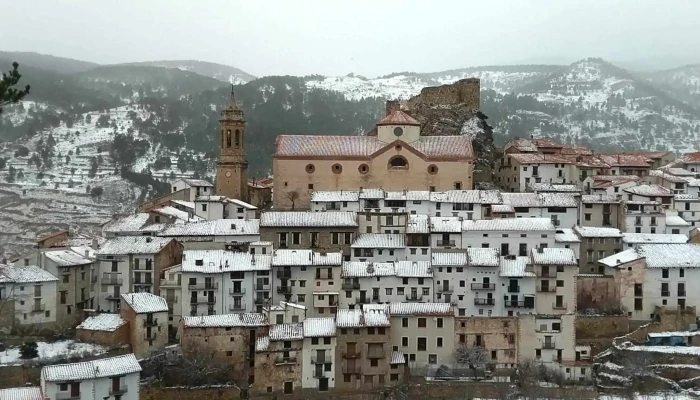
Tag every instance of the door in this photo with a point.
(504, 249)
(75, 389)
(486, 283)
(323, 384)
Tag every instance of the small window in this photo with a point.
(337, 168)
(398, 162)
(433, 169)
(310, 168)
(363, 168)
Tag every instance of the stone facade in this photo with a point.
(595, 291)
(465, 91)
(148, 333)
(497, 335)
(118, 337)
(355, 368)
(278, 368)
(324, 242)
(232, 167)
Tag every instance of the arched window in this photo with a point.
(398, 162)
(238, 138)
(228, 138)
(222, 138)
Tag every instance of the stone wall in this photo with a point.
(598, 331)
(118, 337)
(19, 375)
(664, 320)
(164, 200)
(465, 91)
(499, 334)
(595, 291)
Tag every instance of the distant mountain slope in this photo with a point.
(59, 65)
(224, 73)
(683, 82)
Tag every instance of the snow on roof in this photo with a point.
(481, 257)
(413, 269)
(319, 327)
(222, 261)
(211, 198)
(675, 220)
(686, 197)
(102, 322)
(308, 219)
(104, 367)
(66, 258)
(261, 243)
(133, 245)
(596, 231)
(618, 259)
(670, 334)
(241, 203)
(637, 238)
(449, 258)
(418, 224)
(407, 195)
(365, 269)
(129, 223)
(216, 227)
(196, 182)
(335, 196)
(183, 203)
(445, 224)
(537, 158)
(540, 199)
(566, 236)
(397, 357)
(143, 302)
(669, 177)
(515, 268)
(173, 212)
(26, 274)
(360, 318)
(456, 196)
(502, 209)
(649, 190)
(380, 241)
(371, 194)
(398, 117)
(508, 224)
(554, 187)
(302, 257)
(225, 320)
(599, 199)
(22, 393)
(293, 331)
(399, 309)
(625, 160)
(553, 256)
(685, 255)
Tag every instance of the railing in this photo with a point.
(112, 281)
(325, 275)
(204, 286)
(547, 274)
(285, 360)
(171, 300)
(517, 304)
(362, 300)
(234, 291)
(446, 288)
(352, 354)
(414, 296)
(321, 360)
(151, 337)
(143, 283)
(547, 289)
(113, 296)
(665, 293)
(284, 289)
(350, 285)
(483, 286)
(484, 302)
(318, 373)
(376, 354)
(352, 369)
(66, 396)
(262, 287)
(118, 391)
(446, 243)
(681, 293)
(167, 282)
(561, 306)
(513, 289)
(151, 322)
(548, 345)
(283, 274)
(208, 300)
(39, 307)
(236, 306)
(259, 300)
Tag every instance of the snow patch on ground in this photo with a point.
(53, 351)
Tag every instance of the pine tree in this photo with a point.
(8, 94)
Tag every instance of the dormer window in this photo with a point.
(398, 131)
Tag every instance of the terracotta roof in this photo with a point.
(398, 117)
(692, 157)
(451, 147)
(625, 160)
(537, 158)
(576, 150)
(546, 143)
(50, 235)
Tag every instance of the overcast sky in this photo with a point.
(369, 37)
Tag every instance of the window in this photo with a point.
(204, 207)
(421, 322)
(398, 162)
(404, 322)
(439, 322)
(664, 273)
(337, 168)
(638, 304)
(404, 341)
(422, 344)
(439, 342)
(587, 216)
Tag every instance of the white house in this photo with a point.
(688, 208)
(630, 240)
(509, 235)
(446, 233)
(198, 187)
(113, 377)
(33, 291)
(379, 247)
(561, 208)
(213, 234)
(567, 239)
(318, 352)
(337, 200)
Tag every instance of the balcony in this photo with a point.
(236, 291)
(376, 354)
(446, 289)
(109, 280)
(547, 274)
(259, 301)
(414, 297)
(484, 302)
(483, 286)
(548, 345)
(39, 307)
(560, 306)
(237, 306)
(445, 243)
(113, 297)
(352, 369)
(150, 322)
(352, 354)
(283, 274)
(118, 391)
(350, 285)
(665, 293)
(285, 360)
(204, 286)
(681, 293)
(319, 373)
(208, 300)
(167, 282)
(546, 289)
(259, 287)
(171, 300)
(152, 336)
(143, 283)
(321, 360)
(362, 300)
(518, 304)
(513, 289)
(67, 396)
(284, 290)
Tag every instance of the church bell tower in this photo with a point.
(232, 167)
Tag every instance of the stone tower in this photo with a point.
(232, 167)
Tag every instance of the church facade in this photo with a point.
(397, 158)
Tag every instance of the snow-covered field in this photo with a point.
(52, 351)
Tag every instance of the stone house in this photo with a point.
(171, 291)
(147, 315)
(556, 271)
(596, 243)
(278, 359)
(602, 210)
(75, 284)
(221, 234)
(109, 330)
(498, 336)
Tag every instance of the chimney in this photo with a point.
(392, 105)
(95, 244)
(233, 226)
(87, 253)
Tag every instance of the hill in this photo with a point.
(683, 82)
(47, 62)
(221, 72)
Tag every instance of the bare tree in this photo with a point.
(474, 357)
(293, 196)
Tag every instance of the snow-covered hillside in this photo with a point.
(683, 81)
(225, 73)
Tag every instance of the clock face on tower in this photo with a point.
(228, 174)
